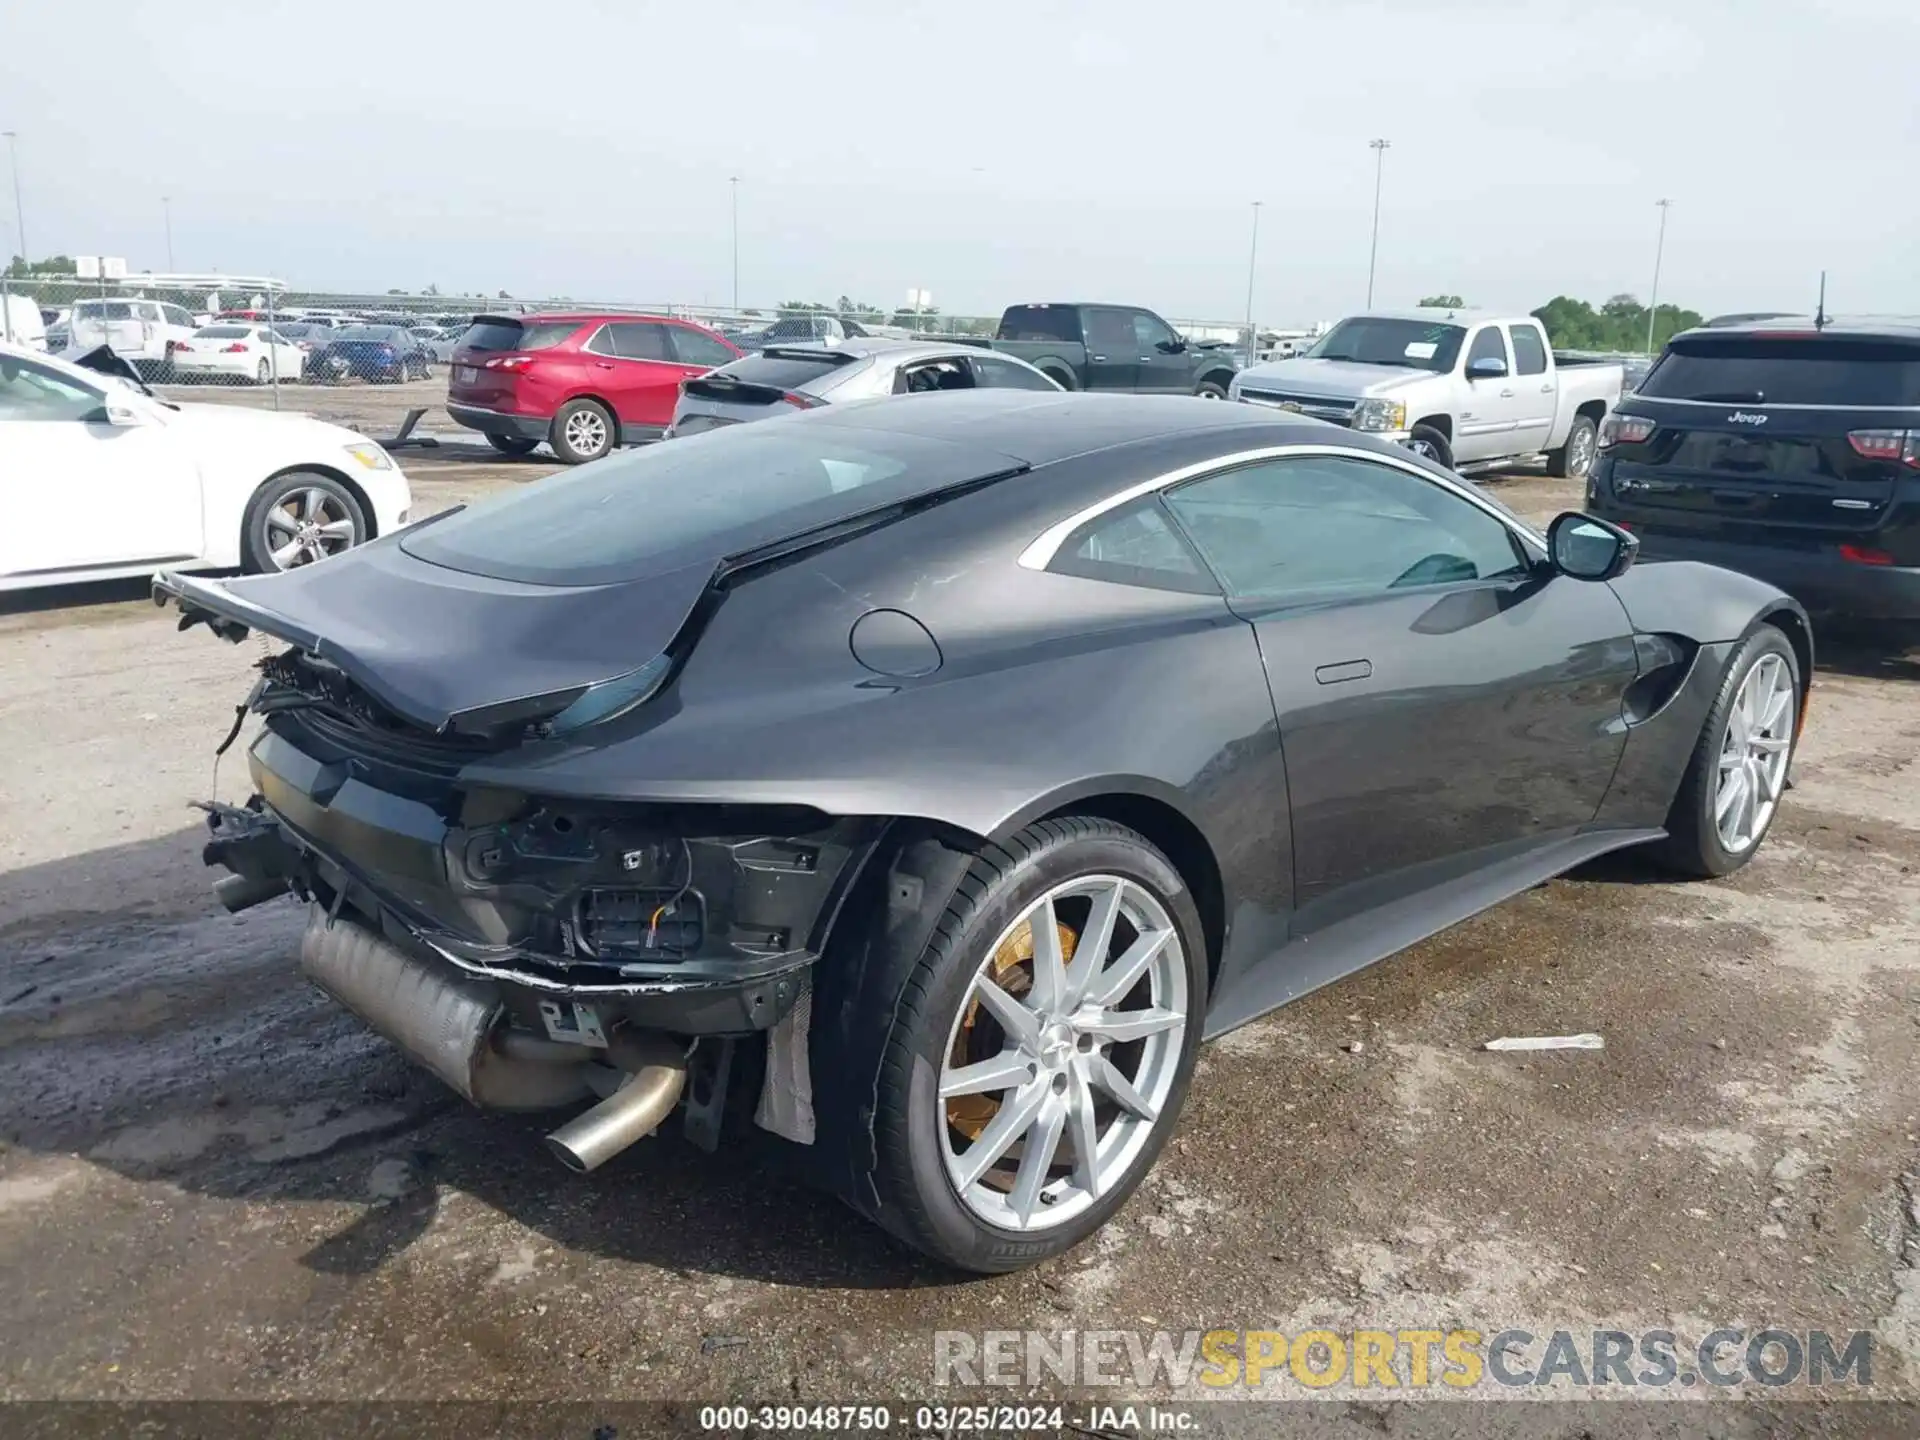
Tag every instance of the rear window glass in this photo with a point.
(507, 335)
(385, 334)
(222, 332)
(1040, 322)
(782, 372)
(695, 500)
(1788, 372)
(103, 310)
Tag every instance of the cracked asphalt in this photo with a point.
(214, 1183)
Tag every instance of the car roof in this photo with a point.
(867, 347)
(1041, 427)
(1857, 327)
(1431, 313)
(583, 317)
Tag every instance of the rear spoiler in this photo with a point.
(809, 352)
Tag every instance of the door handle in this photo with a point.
(1343, 670)
(1096, 357)
(1506, 394)
(1546, 389)
(602, 365)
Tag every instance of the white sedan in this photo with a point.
(236, 351)
(100, 479)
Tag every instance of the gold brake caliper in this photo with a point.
(1013, 972)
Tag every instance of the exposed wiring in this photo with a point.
(653, 920)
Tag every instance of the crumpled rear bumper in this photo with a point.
(683, 919)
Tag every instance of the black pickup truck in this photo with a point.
(1112, 347)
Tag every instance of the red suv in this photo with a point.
(582, 383)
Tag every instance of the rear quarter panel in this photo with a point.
(1050, 689)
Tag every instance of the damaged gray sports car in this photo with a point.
(921, 780)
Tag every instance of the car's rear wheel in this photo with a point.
(1738, 771)
(1208, 390)
(1573, 459)
(1427, 441)
(582, 431)
(1041, 1047)
(510, 444)
(298, 518)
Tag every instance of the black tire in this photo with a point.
(1693, 847)
(510, 444)
(256, 549)
(1437, 448)
(1209, 390)
(1564, 464)
(914, 1196)
(1063, 378)
(572, 452)
(426, 368)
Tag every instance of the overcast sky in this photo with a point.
(990, 151)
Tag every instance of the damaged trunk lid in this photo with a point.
(488, 619)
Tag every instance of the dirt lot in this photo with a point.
(213, 1183)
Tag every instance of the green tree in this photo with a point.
(1443, 302)
(803, 307)
(1619, 325)
(20, 268)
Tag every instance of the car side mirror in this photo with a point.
(1586, 548)
(1486, 368)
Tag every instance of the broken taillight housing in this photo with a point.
(1619, 429)
(1902, 446)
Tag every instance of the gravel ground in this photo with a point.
(214, 1184)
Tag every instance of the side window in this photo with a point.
(999, 373)
(1529, 355)
(947, 373)
(33, 393)
(694, 348)
(1316, 527)
(1109, 334)
(176, 316)
(1135, 544)
(1150, 332)
(602, 341)
(637, 340)
(1487, 345)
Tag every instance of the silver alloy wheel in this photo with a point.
(1580, 453)
(1424, 448)
(1079, 1082)
(586, 432)
(1753, 754)
(309, 525)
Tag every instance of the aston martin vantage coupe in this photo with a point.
(920, 781)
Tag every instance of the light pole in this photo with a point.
(1653, 300)
(1252, 257)
(166, 210)
(733, 182)
(19, 214)
(1379, 148)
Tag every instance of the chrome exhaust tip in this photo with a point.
(657, 1076)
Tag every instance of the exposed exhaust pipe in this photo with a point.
(449, 1023)
(634, 1111)
(243, 892)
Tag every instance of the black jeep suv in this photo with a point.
(1787, 449)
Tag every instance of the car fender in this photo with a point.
(1702, 602)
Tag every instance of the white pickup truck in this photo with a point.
(1462, 388)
